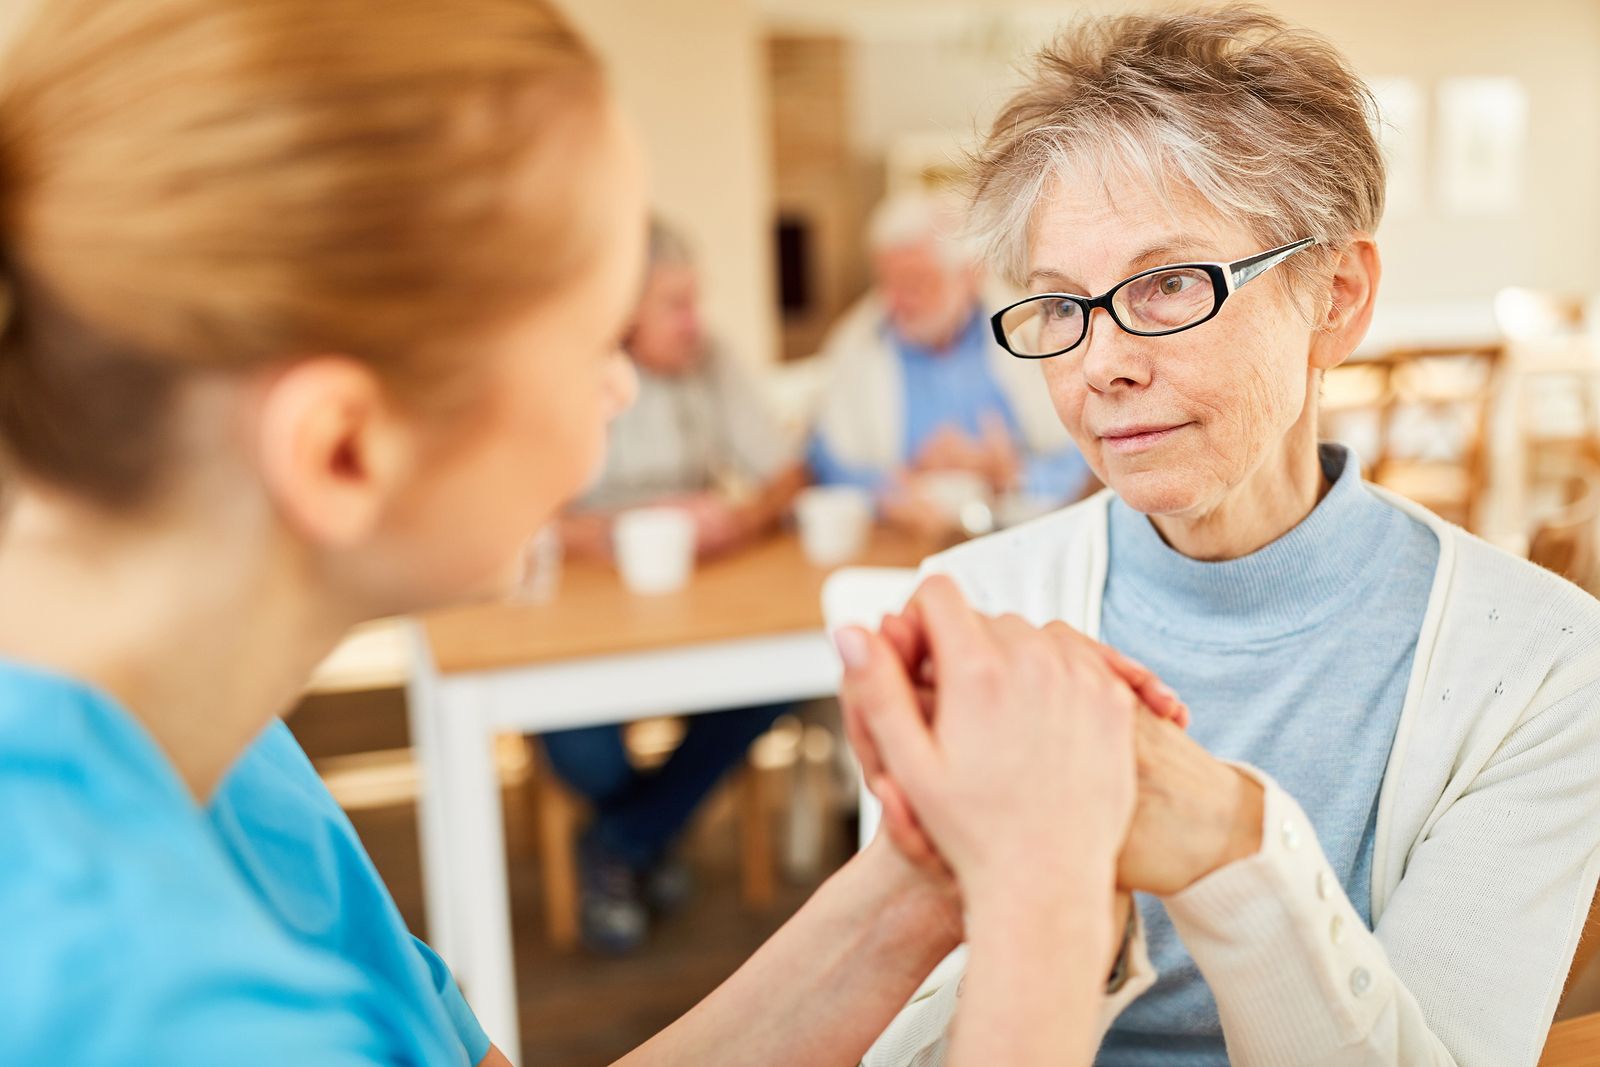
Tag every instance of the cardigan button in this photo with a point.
(1291, 836)
(1336, 929)
(1324, 885)
(1360, 981)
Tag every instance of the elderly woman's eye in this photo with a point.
(1173, 284)
(1165, 299)
(1058, 310)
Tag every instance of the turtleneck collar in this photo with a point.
(1290, 584)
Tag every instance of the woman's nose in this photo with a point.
(1113, 359)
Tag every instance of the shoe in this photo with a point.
(668, 886)
(612, 917)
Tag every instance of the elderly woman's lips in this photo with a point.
(1139, 438)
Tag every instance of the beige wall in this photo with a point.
(1553, 47)
(690, 74)
(927, 66)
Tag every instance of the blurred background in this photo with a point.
(773, 128)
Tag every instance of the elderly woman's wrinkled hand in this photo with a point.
(1016, 726)
(1195, 815)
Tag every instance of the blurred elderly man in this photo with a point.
(699, 435)
(919, 384)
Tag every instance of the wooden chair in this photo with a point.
(1537, 326)
(1573, 1043)
(1576, 1041)
(1565, 541)
(1588, 948)
(558, 815)
(1449, 387)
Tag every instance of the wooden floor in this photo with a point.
(577, 1011)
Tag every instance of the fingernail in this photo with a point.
(852, 646)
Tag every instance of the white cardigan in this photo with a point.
(1488, 831)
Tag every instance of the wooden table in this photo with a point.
(1573, 1043)
(747, 630)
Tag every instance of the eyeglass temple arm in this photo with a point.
(1245, 269)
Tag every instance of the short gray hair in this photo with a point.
(668, 245)
(1266, 122)
(910, 218)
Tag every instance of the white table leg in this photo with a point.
(477, 862)
(461, 828)
(454, 722)
(433, 819)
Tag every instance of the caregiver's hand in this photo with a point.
(905, 633)
(1024, 726)
(1018, 761)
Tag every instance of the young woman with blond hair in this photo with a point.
(310, 313)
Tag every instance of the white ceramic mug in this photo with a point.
(655, 549)
(835, 523)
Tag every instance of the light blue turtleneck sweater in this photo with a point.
(1294, 659)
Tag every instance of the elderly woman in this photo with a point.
(1378, 842)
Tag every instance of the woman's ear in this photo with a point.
(1348, 315)
(332, 452)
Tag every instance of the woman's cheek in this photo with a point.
(1267, 403)
(1067, 395)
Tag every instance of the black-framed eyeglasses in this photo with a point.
(1152, 303)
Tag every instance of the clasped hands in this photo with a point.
(1011, 758)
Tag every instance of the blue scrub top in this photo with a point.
(137, 928)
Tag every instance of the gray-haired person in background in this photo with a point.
(918, 385)
(699, 437)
